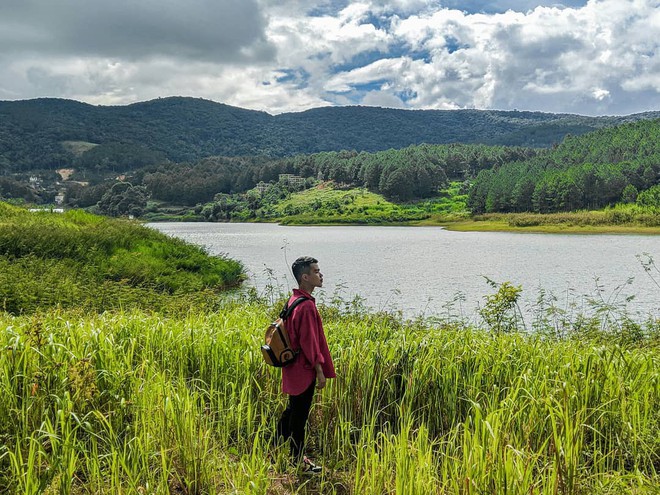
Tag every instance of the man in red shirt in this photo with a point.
(312, 366)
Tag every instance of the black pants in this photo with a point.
(293, 421)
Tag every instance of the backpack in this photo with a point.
(277, 350)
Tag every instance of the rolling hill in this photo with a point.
(38, 134)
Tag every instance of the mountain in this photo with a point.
(55, 133)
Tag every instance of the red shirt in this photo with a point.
(306, 333)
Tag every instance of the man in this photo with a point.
(313, 365)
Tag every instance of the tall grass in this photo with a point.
(124, 370)
(133, 402)
(621, 215)
(78, 259)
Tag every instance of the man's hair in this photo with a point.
(301, 265)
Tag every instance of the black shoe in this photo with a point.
(308, 467)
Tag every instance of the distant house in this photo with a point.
(292, 180)
(285, 179)
(262, 187)
(46, 210)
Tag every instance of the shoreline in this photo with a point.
(494, 226)
(469, 226)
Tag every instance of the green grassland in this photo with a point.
(329, 205)
(135, 402)
(147, 378)
(77, 259)
(621, 219)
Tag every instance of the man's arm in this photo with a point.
(308, 333)
(320, 377)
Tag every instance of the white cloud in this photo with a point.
(337, 39)
(600, 94)
(382, 98)
(554, 59)
(381, 70)
(593, 57)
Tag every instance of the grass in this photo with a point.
(451, 201)
(115, 381)
(619, 220)
(136, 402)
(78, 259)
(328, 205)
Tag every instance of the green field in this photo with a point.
(162, 388)
(327, 205)
(79, 260)
(618, 220)
(135, 402)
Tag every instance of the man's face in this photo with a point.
(314, 277)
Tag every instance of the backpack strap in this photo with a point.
(287, 310)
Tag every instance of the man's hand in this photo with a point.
(320, 377)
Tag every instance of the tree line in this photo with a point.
(415, 172)
(586, 172)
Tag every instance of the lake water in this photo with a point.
(432, 271)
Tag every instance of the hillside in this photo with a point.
(593, 171)
(55, 133)
(79, 260)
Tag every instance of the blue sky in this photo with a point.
(333, 7)
(597, 57)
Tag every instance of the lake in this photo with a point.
(435, 272)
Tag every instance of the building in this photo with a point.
(291, 180)
(262, 187)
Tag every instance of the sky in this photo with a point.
(595, 57)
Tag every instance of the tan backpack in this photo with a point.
(277, 350)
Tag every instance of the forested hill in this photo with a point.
(54, 133)
(590, 171)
